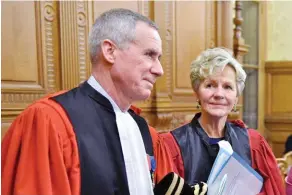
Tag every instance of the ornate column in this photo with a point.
(74, 19)
(239, 49)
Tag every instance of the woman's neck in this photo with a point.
(213, 126)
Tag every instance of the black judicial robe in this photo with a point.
(199, 155)
(194, 156)
(101, 158)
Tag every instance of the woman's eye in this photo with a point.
(208, 85)
(228, 87)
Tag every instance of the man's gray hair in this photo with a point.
(212, 60)
(117, 25)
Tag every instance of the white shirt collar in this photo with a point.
(95, 84)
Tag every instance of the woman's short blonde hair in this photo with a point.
(213, 60)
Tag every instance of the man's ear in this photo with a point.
(108, 50)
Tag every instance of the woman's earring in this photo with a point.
(198, 104)
(234, 109)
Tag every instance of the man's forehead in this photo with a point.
(144, 30)
(149, 44)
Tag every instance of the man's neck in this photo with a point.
(213, 126)
(108, 85)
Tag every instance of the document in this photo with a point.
(231, 175)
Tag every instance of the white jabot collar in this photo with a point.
(95, 84)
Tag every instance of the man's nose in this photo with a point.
(157, 69)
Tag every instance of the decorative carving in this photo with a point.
(143, 8)
(49, 11)
(81, 13)
(75, 63)
(82, 40)
(210, 24)
(69, 44)
(20, 98)
(49, 48)
(238, 21)
(169, 31)
(81, 19)
(213, 25)
(239, 47)
(146, 8)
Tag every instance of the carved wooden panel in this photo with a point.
(278, 116)
(74, 35)
(29, 55)
(102, 6)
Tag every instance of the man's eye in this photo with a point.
(149, 54)
(208, 85)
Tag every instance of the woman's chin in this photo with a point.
(217, 113)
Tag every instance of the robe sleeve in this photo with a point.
(164, 163)
(175, 153)
(39, 153)
(264, 161)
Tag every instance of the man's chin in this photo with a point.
(144, 95)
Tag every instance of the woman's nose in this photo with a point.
(219, 93)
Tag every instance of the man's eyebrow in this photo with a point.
(153, 52)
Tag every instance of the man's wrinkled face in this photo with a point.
(137, 67)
